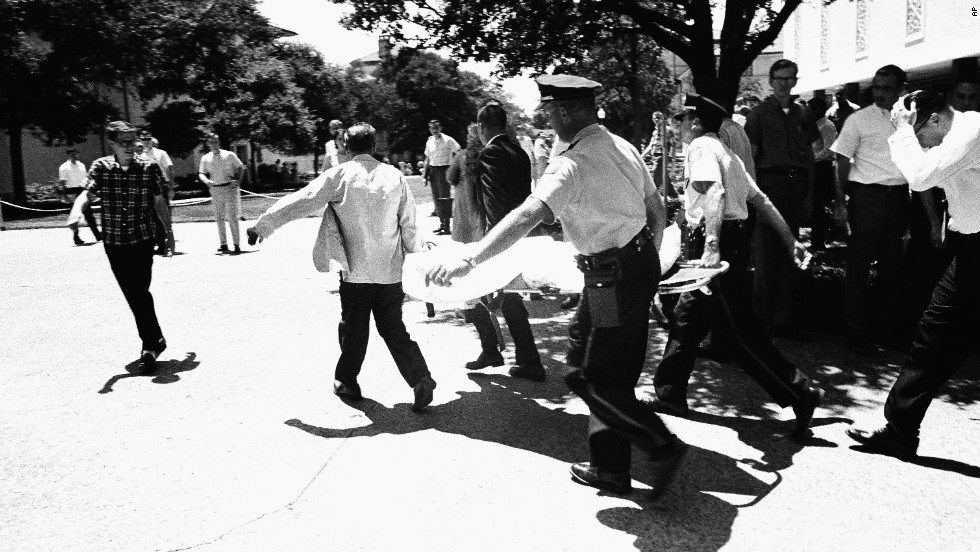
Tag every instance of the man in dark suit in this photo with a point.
(504, 183)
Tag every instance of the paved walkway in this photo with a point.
(239, 445)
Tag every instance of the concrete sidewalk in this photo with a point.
(238, 443)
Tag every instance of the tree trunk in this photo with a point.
(316, 161)
(17, 165)
(254, 176)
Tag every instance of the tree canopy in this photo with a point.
(536, 34)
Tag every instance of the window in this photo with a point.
(861, 30)
(914, 20)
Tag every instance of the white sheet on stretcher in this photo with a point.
(532, 263)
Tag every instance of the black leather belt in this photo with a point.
(609, 257)
(221, 185)
(792, 173)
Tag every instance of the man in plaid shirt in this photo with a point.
(129, 188)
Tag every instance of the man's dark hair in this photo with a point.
(492, 115)
(710, 118)
(964, 79)
(927, 102)
(360, 137)
(818, 106)
(70, 151)
(435, 122)
(893, 71)
(115, 128)
(784, 64)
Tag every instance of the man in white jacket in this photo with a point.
(944, 336)
(368, 226)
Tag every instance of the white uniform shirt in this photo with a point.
(221, 169)
(161, 158)
(369, 226)
(73, 173)
(440, 151)
(733, 135)
(953, 166)
(708, 160)
(598, 188)
(334, 156)
(864, 140)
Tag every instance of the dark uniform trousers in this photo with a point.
(946, 332)
(611, 362)
(357, 303)
(925, 264)
(879, 218)
(132, 265)
(727, 313)
(515, 314)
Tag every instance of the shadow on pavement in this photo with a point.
(943, 464)
(165, 372)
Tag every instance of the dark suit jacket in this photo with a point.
(505, 178)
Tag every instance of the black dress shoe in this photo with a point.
(661, 406)
(423, 393)
(78, 241)
(350, 392)
(804, 412)
(533, 372)
(486, 359)
(886, 441)
(586, 474)
(667, 463)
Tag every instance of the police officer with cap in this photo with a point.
(717, 194)
(613, 215)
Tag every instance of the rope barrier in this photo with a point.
(261, 195)
(33, 209)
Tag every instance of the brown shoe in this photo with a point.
(584, 473)
(423, 393)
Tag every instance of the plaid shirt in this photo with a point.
(128, 215)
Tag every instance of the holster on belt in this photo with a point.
(603, 273)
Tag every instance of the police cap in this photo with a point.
(701, 103)
(565, 87)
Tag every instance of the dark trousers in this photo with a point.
(512, 307)
(772, 288)
(89, 216)
(132, 265)
(925, 264)
(727, 313)
(823, 194)
(441, 192)
(612, 361)
(945, 334)
(879, 217)
(357, 303)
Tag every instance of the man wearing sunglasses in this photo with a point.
(129, 188)
(944, 335)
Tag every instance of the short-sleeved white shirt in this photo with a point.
(74, 174)
(221, 168)
(161, 158)
(598, 188)
(864, 140)
(708, 160)
(440, 151)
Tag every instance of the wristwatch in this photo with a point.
(470, 261)
(711, 242)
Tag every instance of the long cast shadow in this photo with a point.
(165, 372)
(507, 411)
